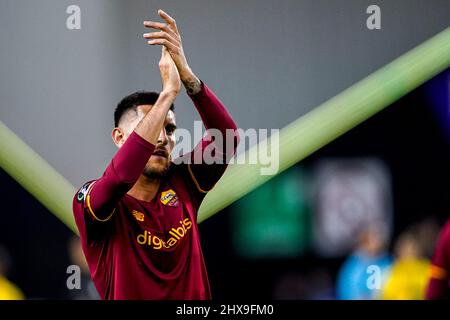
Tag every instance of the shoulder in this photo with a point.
(81, 198)
(80, 195)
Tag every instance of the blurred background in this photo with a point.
(377, 195)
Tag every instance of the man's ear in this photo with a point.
(118, 136)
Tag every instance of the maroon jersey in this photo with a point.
(438, 286)
(149, 250)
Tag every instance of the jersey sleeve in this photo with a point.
(95, 203)
(207, 162)
(438, 285)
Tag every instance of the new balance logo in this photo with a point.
(138, 215)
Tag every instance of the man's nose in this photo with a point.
(163, 137)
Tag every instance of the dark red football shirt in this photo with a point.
(150, 250)
(439, 286)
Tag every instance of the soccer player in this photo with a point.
(439, 285)
(138, 222)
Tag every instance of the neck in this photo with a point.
(145, 188)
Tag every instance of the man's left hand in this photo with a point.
(169, 36)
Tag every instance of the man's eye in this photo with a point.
(170, 130)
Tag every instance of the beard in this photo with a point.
(155, 172)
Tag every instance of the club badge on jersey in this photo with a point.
(169, 198)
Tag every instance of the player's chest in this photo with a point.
(161, 225)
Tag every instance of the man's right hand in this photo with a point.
(169, 74)
(151, 125)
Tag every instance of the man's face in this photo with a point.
(159, 162)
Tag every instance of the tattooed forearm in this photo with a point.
(192, 84)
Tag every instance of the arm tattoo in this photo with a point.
(192, 86)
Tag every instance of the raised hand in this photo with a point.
(169, 74)
(169, 37)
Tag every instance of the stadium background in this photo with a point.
(270, 63)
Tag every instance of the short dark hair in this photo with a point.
(132, 101)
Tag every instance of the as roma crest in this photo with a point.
(169, 198)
